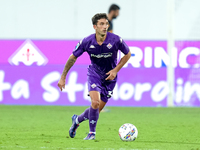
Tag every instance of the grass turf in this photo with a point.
(46, 127)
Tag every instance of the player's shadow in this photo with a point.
(168, 142)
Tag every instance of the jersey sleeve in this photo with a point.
(123, 47)
(79, 49)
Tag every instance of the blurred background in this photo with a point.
(37, 37)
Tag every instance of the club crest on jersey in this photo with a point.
(93, 85)
(109, 46)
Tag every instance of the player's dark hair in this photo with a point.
(113, 7)
(98, 16)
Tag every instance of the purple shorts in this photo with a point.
(104, 87)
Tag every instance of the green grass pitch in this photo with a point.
(46, 127)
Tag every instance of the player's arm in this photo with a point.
(70, 62)
(112, 73)
(122, 62)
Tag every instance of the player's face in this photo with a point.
(102, 26)
(116, 14)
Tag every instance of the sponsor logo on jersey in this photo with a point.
(92, 46)
(103, 55)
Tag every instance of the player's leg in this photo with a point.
(76, 120)
(106, 93)
(94, 89)
(85, 115)
(93, 114)
(94, 84)
(101, 105)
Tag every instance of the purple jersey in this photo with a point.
(103, 57)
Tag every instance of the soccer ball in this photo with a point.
(128, 132)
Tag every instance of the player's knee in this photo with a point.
(95, 104)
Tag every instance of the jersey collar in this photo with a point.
(106, 41)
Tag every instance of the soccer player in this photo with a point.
(113, 13)
(102, 47)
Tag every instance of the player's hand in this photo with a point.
(61, 83)
(111, 75)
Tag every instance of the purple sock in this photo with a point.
(84, 116)
(93, 117)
